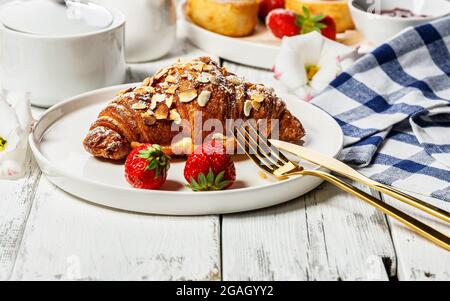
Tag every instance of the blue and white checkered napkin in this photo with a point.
(394, 108)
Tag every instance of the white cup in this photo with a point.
(150, 28)
(378, 28)
(52, 68)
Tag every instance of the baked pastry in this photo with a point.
(337, 9)
(235, 18)
(175, 96)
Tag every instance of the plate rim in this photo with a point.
(34, 142)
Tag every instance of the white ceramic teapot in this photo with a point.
(150, 29)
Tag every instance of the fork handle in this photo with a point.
(417, 226)
(412, 201)
(397, 194)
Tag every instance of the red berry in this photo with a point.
(329, 31)
(266, 6)
(210, 168)
(283, 23)
(146, 167)
(323, 24)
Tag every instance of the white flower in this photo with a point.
(15, 124)
(307, 63)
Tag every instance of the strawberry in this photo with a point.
(321, 23)
(146, 167)
(283, 23)
(266, 6)
(329, 31)
(210, 168)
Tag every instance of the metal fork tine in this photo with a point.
(273, 149)
(267, 167)
(276, 168)
(262, 152)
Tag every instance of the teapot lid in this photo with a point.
(55, 17)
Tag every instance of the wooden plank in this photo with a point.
(69, 239)
(325, 235)
(419, 259)
(16, 199)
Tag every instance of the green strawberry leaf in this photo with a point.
(210, 182)
(210, 177)
(219, 178)
(156, 158)
(308, 23)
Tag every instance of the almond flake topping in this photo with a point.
(207, 68)
(162, 112)
(203, 98)
(171, 79)
(159, 97)
(248, 108)
(150, 89)
(204, 78)
(153, 104)
(256, 105)
(164, 85)
(122, 92)
(256, 96)
(175, 116)
(140, 90)
(162, 73)
(139, 106)
(169, 101)
(172, 89)
(148, 118)
(148, 81)
(234, 80)
(188, 95)
(198, 66)
(213, 79)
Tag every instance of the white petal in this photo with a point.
(8, 119)
(308, 46)
(326, 74)
(291, 68)
(20, 102)
(333, 52)
(331, 64)
(9, 127)
(311, 49)
(295, 54)
(10, 169)
(305, 93)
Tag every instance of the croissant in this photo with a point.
(157, 111)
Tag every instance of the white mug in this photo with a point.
(53, 68)
(150, 29)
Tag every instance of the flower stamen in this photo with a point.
(3, 143)
(311, 71)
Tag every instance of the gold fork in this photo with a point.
(269, 158)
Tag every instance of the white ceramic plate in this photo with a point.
(56, 142)
(258, 50)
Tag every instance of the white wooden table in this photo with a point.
(46, 234)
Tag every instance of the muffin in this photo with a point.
(337, 9)
(234, 18)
